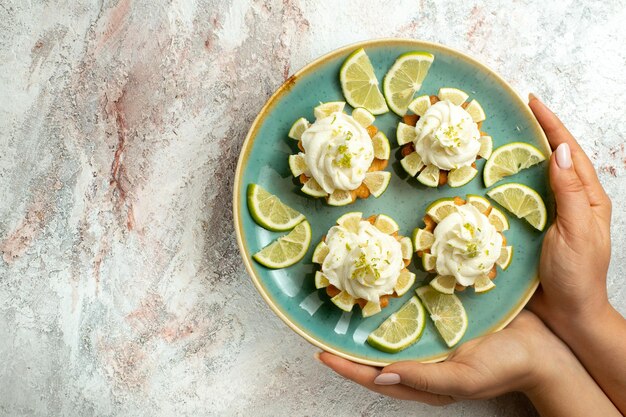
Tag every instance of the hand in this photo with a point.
(577, 247)
(572, 299)
(517, 358)
(525, 356)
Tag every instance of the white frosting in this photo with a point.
(466, 245)
(366, 264)
(338, 152)
(447, 137)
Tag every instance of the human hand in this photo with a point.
(521, 357)
(572, 299)
(577, 247)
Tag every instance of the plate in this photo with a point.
(291, 293)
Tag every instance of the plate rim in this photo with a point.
(251, 136)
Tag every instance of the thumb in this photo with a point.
(443, 378)
(572, 203)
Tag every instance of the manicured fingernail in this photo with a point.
(532, 97)
(388, 378)
(563, 156)
(316, 355)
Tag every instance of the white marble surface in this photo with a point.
(121, 288)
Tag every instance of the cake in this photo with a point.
(363, 261)
(442, 139)
(463, 242)
(342, 156)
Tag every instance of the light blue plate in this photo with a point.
(291, 292)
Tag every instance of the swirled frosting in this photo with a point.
(338, 152)
(447, 137)
(466, 245)
(366, 264)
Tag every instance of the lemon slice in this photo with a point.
(351, 221)
(481, 203)
(506, 256)
(441, 208)
(377, 182)
(312, 188)
(510, 159)
(486, 147)
(412, 163)
(404, 283)
(370, 309)
(404, 78)
(320, 253)
(446, 312)
(461, 176)
(363, 117)
(483, 284)
(429, 262)
(286, 250)
(522, 201)
(344, 301)
(405, 134)
(381, 146)
(420, 105)
(429, 176)
(444, 284)
(476, 111)
(386, 224)
(359, 83)
(297, 165)
(320, 280)
(298, 128)
(498, 220)
(422, 239)
(326, 109)
(269, 212)
(401, 329)
(340, 198)
(407, 248)
(453, 95)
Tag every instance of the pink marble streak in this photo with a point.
(17, 242)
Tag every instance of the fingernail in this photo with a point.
(563, 156)
(388, 378)
(532, 97)
(316, 355)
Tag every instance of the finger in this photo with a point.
(443, 378)
(572, 205)
(557, 134)
(555, 130)
(364, 375)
